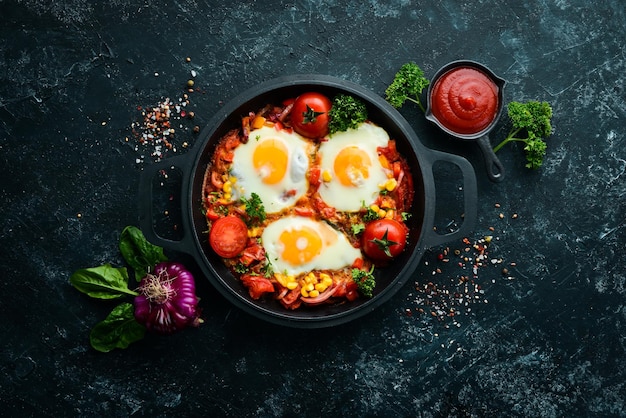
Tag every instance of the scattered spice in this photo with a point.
(156, 133)
(454, 289)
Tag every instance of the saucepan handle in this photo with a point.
(147, 204)
(433, 238)
(495, 169)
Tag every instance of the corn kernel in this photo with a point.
(389, 214)
(309, 287)
(382, 213)
(375, 207)
(232, 179)
(391, 184)
(304, 292)
(326, 176)
(325, 277)
(314, 293)
(320, 287)
(291, 285)
(227, 197)
(227, 187)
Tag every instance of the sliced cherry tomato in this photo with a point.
(347, 289)
(309, 116)
(352, 294)
(212, 214)
(384, 239)
(315, 173)
(229, 236)
(253, 252)
(257, 285)
(358, 263)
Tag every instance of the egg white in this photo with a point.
(335, 252)
(293, 185)
(350, 198)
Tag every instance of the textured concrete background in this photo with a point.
(544, 340)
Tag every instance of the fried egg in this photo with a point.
(351, 168)
(296, 245)
(273, 164)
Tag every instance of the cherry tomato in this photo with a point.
(384, 239)
(229, 236)
(309, 116)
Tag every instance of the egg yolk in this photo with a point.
(270, 159)
(300, 245)
(352, 166)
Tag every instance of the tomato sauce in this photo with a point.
(465, 100)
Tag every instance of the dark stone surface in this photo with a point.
(546, 340)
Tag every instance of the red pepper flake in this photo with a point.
(451, 291)
(155, 133)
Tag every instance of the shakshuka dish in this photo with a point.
(305, 199)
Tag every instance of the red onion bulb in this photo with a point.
(167, 300)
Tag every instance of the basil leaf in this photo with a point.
(138, 252)
(118, 330)
(104, 282)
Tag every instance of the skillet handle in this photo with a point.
(146, 204)
(470, 194)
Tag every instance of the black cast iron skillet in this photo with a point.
(389, 280)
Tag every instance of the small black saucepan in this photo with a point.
(389, 279)
(495, 169)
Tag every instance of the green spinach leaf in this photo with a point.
(118, 330)
(103, 282)
(140, 255)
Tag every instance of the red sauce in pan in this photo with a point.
(465, 100)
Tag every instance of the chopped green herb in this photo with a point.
(358, 228)
(365, 280)
(254, 209)
(346, 113)
(241, 268)
(370, 214)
